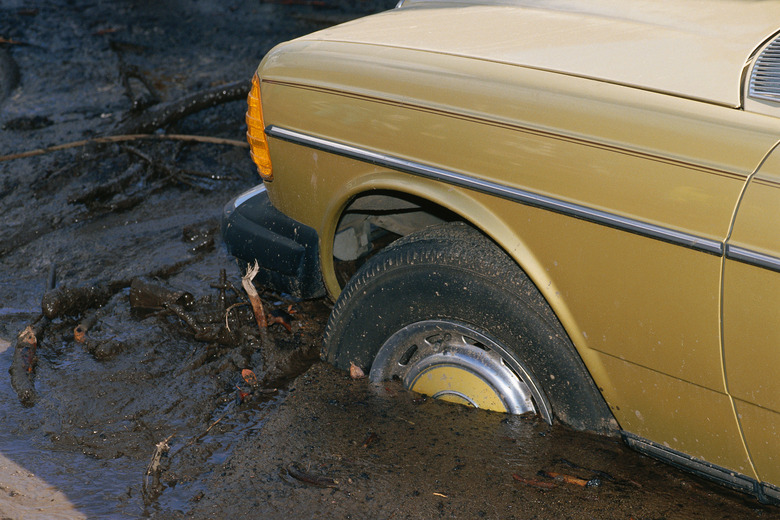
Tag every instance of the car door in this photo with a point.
(751, 320)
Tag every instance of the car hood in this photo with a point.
(691, 48)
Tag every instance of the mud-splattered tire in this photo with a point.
(445, 305)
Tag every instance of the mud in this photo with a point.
(151, 392)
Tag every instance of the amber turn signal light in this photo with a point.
(255, 133)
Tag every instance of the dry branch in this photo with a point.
(122, 139)
(254, 297)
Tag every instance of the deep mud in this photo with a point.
(137, 400)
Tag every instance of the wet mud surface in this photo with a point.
(144, 387)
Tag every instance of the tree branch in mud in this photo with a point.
(164, 114)
(124, 138)
(22, 369)
(174, 174)
(74, 300)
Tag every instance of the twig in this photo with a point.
(186, 318)
(254, 298)
(154, 469)
(534, 482)
(570, 479)
(122, 139)
(239, 304)
(204, 433)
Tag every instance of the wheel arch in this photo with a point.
(464, 206)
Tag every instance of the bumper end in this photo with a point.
(287, 251)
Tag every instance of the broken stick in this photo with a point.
(254, 297)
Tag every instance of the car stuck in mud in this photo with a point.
(568, 209)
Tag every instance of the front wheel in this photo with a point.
(449, 314)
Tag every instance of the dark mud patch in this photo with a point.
(9, 75)
(337, 448)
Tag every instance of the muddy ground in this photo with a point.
(151, 412)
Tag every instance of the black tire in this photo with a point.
(453, 274)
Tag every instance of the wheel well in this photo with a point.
(372, 221)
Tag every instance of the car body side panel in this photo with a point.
(622, 174)
(751, 319)
(636, 308)
(675, 414)
(670, 411)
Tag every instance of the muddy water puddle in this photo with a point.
(324, 446)
(38, 481)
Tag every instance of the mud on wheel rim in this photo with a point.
(452, 361)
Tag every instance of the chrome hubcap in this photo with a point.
(451, 361)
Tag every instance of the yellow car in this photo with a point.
(567, 207)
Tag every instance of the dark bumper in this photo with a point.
(287, 251)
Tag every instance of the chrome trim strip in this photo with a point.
(753, 258)
(248, 194)
(524, 197)
(688, 463)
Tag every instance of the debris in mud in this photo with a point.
(112, 139)
(241, 395)
(22, 369)
(370, 439)
(601, 475)
(69, 301)
(79, 334)
(534, 482)
(80, 331)
(148, 294)
(254, 297)
(355, 372)
(249, 377)
(202, 237)
(106, 349)
(281, 317)
(27, 124)
(163, 114)
(570, 479)
(310, 479)
(152, 490)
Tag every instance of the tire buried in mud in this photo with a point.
(447, 312)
